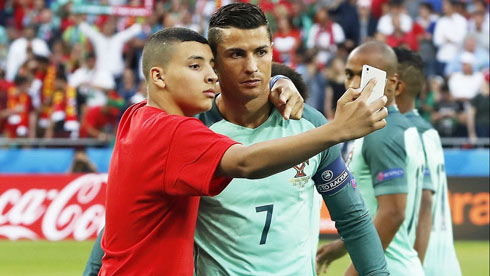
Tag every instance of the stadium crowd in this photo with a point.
(70, 75)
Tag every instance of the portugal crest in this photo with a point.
(300, 169)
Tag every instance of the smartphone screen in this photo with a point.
(369, 72)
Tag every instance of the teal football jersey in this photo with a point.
(391, 161)
(440, 258)
(270, 226)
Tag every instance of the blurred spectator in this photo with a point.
(4, 43)
(302, 17)
(335, 86)
(460, 8)
(399, 38)
(129, 88)
(386, 24)
(81, 163)
(367, 22)
(101, 61)
(449, 117)
(48, 26)
(286, 41)
(346, 15)
(317, 84)
(412, 7)
(60, 54)
(379, 8)
(4, 86)
(324, 36)
(427, 98)
(31, 12)
(19, 114)
(41, 92)
(72, 35)
(479, 110)
(95, 92)
(23, 49)
(83, 75)
(481, 57)
(63, 110)
(100, 122)
(427, 21)
(479, 27)
(108, 45)
(449, 34)
(465, 85)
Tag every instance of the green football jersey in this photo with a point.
(391, 161)
(440, 258)
(270, 226)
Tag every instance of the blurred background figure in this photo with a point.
(108, 45)
(449, 117)
(478, 125)
(286, 40)
(449, 34)
(480, 60)
(24, 48)
(324, 36)
(396, 17)
(465, 84)
(335, 75)
(100, 122)
(18, 112)
(100, 54)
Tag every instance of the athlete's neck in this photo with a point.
(405, 103)
(249, 114)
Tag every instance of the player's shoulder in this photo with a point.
(210, 117)
(392, 134)
(418, 121)
(313, 116)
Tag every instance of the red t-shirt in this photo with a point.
(160, 166)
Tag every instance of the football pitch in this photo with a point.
(66, 258)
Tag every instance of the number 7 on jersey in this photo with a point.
(268, 220)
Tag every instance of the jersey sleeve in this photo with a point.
(194, 154)
(386, 157)
(344, 202)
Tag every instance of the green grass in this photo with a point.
(472, 256)
(66, 258)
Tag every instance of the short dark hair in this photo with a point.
(296, 78)
(41, 59)
(427, 5)
(243, 16)
(410, 70)
(20, 80)
(395, 3)
(159, 47)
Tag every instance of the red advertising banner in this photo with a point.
(58, 207)
(51, 207)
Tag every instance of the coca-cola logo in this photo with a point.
(75, 210)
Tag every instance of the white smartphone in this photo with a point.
(369, 72)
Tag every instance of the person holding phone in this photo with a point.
(388, 166)
(272, 218)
